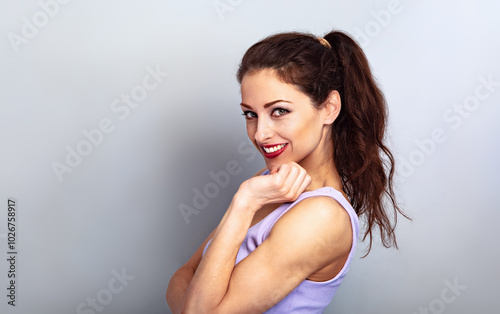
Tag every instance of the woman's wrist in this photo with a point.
(243, 199)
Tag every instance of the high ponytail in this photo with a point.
(364, 163)
(361, 125)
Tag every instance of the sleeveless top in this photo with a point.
(309, 296)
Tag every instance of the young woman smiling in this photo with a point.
(284, 245)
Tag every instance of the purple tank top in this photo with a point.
(309, 296)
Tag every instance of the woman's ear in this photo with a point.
(332, 107)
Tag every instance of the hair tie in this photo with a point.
(324, 42)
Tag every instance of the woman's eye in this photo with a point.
(248, 114)
(278, 112)
(281, 111)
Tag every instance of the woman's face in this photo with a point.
(281, 120)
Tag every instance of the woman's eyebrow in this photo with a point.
(268, 104)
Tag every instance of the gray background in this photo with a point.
(118, 210)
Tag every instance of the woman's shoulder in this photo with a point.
(321, 207)
(317, 224)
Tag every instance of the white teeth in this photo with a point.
(274, 148)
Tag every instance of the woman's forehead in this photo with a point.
(264, 86)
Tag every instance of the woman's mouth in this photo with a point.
(274, 151)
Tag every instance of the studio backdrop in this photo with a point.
(122, 144)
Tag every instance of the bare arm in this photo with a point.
(177, 288)
(211, 279)
(181, 279)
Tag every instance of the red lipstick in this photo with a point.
(273, 154)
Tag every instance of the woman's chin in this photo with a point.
(270, 163)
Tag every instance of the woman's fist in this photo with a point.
(283, 184)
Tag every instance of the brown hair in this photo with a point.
(364, 163)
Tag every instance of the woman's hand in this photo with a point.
(283, 184)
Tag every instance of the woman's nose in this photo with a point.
(264, 130)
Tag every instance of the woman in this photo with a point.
(285, 243)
